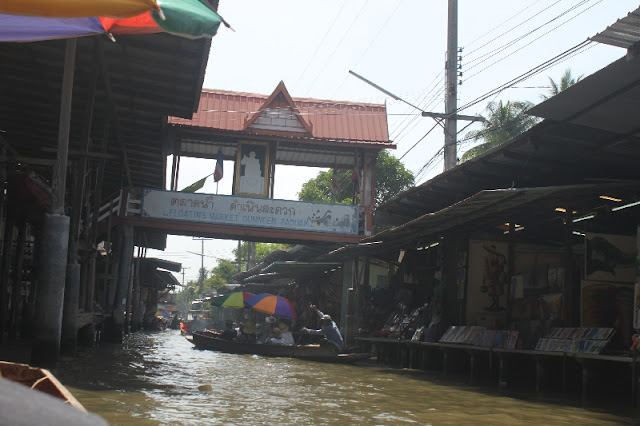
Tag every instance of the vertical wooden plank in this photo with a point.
(59, 179)
(16, 290)
(4, 272)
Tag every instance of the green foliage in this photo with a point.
(318, 189)
(262, 249)
(186, 296)
(566, 81)
(391, 178)
(221, 273)
(503, 122)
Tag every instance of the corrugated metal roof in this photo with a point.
(524, 206)
(150, 76)
(335, 120)
(293, 268)
(607, 100)
(624, 33)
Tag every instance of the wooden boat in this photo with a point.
(210, 341)
(38, 379)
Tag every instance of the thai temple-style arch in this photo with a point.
(258, 132)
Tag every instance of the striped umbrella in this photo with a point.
(234, 300)
(184, 18)
(272, 305)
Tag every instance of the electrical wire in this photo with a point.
(467, 54)
(380, 31)
(499, 25)
(419, 140)
(482, 58)
(528, 74)
(342, 39)
(531, 42)
(333, 21)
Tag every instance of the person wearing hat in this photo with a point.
(329, 329)
(286, 334)
(266, 328)
(247, 333)
(276, 337)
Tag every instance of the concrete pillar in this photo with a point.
(84, 270)
(50, 290)
(347, 319)
(91, 282)
(136, 318)
(69, 340)
(124, 272)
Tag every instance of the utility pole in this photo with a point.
(450, 116)
(451, 104)
(184, 269)
(201, 273)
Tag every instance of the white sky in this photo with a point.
(399, 45)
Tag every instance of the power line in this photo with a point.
(510, 30)
(419, 140)
(370, 44)
(343, 38)
(333, 21)
(528, 74)
(531, 42)
(499, 25)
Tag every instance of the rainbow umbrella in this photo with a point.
(234, 300)
(184, 18)
(77, 8)
(272, 305)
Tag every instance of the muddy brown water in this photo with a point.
(160, 379)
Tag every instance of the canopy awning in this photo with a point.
(524, 206)
(293, 268)
(167, 278)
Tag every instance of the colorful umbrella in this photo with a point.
(234, 300)
(272, 305)
(184, 18)
(77, 8)
(163, 313)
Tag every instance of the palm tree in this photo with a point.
(566, 81)
(503, 122)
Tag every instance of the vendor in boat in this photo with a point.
(276, 337)
(329, 330)
(283, 325)
(229, 332)
(266, 328)
(247, 333)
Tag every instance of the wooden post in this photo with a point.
(567, 297)
(55, 235)
(16, 291)
(59, 180)
(510, 265)
(4, 272)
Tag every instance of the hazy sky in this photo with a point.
(399, 45)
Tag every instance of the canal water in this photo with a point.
(160, 379)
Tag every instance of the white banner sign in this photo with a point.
(256, 212)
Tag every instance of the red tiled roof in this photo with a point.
(226, 110)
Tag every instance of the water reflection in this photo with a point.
(155, 378)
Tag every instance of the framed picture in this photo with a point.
(252, 170)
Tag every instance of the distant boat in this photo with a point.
(210, 341)
(38, 379)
